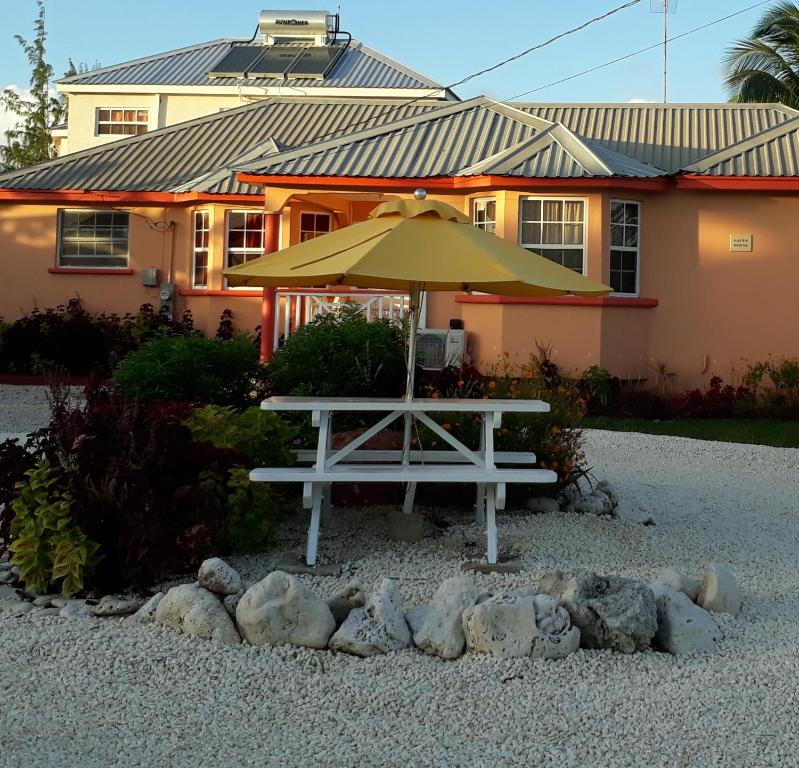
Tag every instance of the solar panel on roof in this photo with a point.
(275, 61)
(316, 61)
(237, 61)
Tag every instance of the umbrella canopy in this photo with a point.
(414, 245)
(414, 241)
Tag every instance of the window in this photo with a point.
(624, 246)
(202, 231)
(484, 214)
(313, 224)
(121, 122)
(245, 236)
(93, 239)
(555, 228)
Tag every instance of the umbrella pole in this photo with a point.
(414, 305)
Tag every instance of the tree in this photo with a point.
(765, 66)
(30, 141)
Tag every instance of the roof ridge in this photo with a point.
(448, 108)
(73, 79)
(392, 62)
(750, 142)
(659, 105)
(525, 148)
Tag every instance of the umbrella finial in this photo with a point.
(420, 194)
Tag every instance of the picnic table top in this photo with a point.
(417, 405)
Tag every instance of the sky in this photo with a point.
(444, 39)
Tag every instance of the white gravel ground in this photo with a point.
(105, 693)
(22, 410)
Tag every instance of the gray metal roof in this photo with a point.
(479, 136)
(774, 152)
(174, 157)
(667, 136)
(359, 67)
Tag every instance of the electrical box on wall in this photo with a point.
(150, 277)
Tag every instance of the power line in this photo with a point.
(466, 79)
(638, 52)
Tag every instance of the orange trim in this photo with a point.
(88, 271)
(450, 183)
(570, 301)
(119, 198)
(230, 292)
(738, 183)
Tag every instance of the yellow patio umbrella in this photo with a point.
(415, 245)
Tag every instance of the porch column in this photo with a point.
(268, 310)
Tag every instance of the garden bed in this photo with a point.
(101, 685)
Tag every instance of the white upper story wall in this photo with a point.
(158, 91)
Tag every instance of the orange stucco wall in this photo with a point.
(714, 306)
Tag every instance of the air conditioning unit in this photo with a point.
(436, 348)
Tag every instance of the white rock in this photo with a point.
(231, 602)
(379, 627)
(719, 591)
(554, 636)
(502, 625)
(349, 597)
(610, 611)
(216, 575)
(146, 614)
(114, 605)
(543, 505)
(196, 612)
(683, 627)
(441, 632)
(279, 610)
(6, 577)
(594, 503)
(415, 617)
(11, 599)
(75, 609)
(671, 577)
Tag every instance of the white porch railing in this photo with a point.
(296, 307)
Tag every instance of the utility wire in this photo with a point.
(638, 52)
(466, 79)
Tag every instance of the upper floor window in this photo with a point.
(555, 228)
(244, 237)
(314, 224)
(624, 246)
(202, 232)
(96, 239)
(121, 122)
(484, 214)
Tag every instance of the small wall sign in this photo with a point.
(740, 242)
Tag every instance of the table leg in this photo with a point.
(313, 528)
(491, 523)
(480, 496)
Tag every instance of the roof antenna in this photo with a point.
(665, 7)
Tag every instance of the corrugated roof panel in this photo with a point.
(435, 147)
(160, 160)
(777, 157)
(358, 67)
(667, 136)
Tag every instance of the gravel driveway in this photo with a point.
(115, 694)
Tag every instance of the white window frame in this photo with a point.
(325, 214)
(476, 202)
(60, 238)
(557, 198)
(256, 252)
(135, 123)
(201, 249)
(625, 248)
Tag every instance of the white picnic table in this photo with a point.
(351, 463)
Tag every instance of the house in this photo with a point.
(686, 210)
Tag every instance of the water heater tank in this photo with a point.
(274, 25)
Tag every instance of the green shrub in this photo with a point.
(191, 368)
(259, 438)
(48, 547)
(341, 354)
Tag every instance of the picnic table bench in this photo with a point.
(490, 470)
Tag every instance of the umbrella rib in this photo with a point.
(336, 253)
